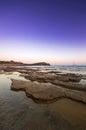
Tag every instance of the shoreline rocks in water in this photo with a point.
(47, 77)
(70, 81)
(51, 86)
(38, 91)
(41, 92)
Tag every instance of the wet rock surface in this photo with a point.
(37, 91)
(47, 92)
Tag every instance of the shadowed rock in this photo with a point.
(70, 85)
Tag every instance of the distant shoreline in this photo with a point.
(14, 63)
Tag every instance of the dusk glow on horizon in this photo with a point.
(51, 31)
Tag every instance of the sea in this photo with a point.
(61, 68)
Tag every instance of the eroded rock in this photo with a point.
(47, 92)
(38, 91)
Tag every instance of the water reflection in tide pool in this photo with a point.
(17, 112)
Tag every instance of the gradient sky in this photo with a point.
(53, 31)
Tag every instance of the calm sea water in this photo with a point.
(72, 69)
(64, 69)
(18, 112)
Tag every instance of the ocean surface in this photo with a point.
(60, 68)
(18, 112)
(72, 69)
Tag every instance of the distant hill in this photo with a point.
(14, 63)
(39, 64)
(10, 63)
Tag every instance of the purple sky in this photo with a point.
(53, 31)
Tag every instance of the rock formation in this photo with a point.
(41, 92)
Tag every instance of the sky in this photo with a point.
(53, 31)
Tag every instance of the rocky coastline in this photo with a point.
(48, 86)
(41, 92)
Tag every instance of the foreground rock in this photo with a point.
(47, 92)
(38, 91)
